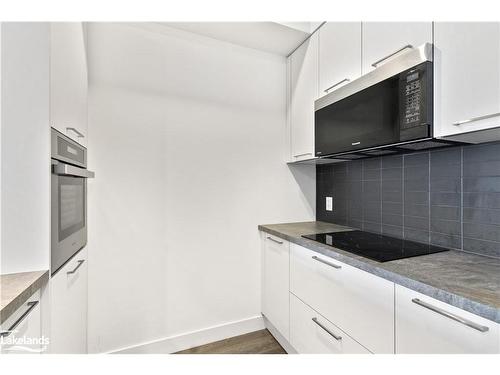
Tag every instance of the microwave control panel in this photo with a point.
(412, 103)
(415, 98)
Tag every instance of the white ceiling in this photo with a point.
(273, 37)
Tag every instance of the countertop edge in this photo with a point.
(464, 303)
(22, 297)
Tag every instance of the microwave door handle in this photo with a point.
(70, 170)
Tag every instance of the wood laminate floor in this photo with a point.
(258, 342)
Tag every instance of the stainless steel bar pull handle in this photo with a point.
(476, 119)
(450, 315)
(31, 306)
(336, 337)
(70, 170)
(75, 130)
(272, 239)
(304, 154)
(336, 266)
(392, 54)
(80, 262)
(336, 84)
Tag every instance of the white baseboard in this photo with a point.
(279, 337)
(192, 339)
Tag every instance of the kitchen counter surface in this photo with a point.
(16, 288)
(467, 281)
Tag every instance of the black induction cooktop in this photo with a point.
(375, 246)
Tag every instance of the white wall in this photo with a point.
(25, 147)
(186, 135)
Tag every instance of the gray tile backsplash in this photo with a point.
(448, 197)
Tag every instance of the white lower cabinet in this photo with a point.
(21, 332)
(311, 333)
(321, 305)
(68, 313)
(425, 325)
(275, 281)
(356, 301)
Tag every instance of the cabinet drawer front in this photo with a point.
(275, 304)
(311, 333)
(359, 303)
(25, 322)
(424, 325)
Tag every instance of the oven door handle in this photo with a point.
(62, 169)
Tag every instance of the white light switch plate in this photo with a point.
(329, 203)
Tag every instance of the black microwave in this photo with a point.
(385, 111)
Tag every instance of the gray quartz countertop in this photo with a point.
(467, 281)
(16, 288)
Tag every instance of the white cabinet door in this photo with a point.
(68, 315)
(383, 39)
(275, 304)
(25, 147)
(467, 76)
(303, 93)
(339, 54)
(422, 328)
(22, 330)
(359, 303)
(68, 80)
(310, 333)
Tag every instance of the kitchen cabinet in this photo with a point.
(426, 325)
(311, 333)
(68, 313)
(24, 326)
(68, 80)
(25, 147)
(275, 291)
(467, 77)
(359, 303)
(339, 54)
(383, 40)
(303, 86)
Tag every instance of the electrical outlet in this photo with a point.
(329, 203)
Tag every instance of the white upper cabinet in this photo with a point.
(68, 80)
(425, 325)
(467, 77)
(303, 92)
(339, 54)
(384, 40)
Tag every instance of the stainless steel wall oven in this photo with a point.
(69, 199)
